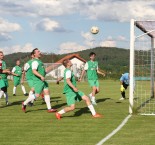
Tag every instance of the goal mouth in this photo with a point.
(142, 66)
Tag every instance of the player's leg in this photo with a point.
(1, 93)
(4, 89)
(70, 98)
(46, 93)
(23, 89)
(81, 95)
(14, 90)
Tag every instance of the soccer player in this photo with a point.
(29, 76)
(3, 77)
(72, 93)
(17, 74)
(124, 81)
(39, 83)
(92, 69)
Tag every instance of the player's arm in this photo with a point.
(59, 79)
(13, 72)
(6, 71)
(101, 73)
(35, 72)
(68, 77)
(83, 71)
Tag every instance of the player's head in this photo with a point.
(1, 55)
(67, 63)
(92, 55)
(36, 52)
(18, 62)
(32, 55)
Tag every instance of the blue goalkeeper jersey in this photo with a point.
(125, 78)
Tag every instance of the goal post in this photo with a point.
(142, 70)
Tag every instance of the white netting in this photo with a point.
(144, 69)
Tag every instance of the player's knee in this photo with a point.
(72, 108)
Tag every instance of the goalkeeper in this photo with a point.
(124, 81)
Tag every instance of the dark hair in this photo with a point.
(1, 52)
(31, 54)
(33, 51)
(65, 62)
(92, 53)
(17, 60)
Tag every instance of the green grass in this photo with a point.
(37, 127)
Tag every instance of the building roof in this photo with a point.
(70, 57)
(57, 64)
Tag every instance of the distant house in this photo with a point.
(56, 69)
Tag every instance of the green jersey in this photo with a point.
(28, 69)
(91, 67)
(17, 70)
(39, 66)
(3, 76)
(68, 74)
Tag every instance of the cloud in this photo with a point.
(103, 10)
(88, 39)
(6, 27)
(69, 47)
(49, 25)
(5, 37)
(28, 47)
(108, 43)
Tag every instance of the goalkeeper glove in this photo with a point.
(122, 88)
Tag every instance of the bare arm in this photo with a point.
(71, 85)
(38, 74)
(82, 74)
(99, 72)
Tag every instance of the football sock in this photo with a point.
(29, 99)
(14, 90)
(6, 94)
(1, 93)
(23, 89)
(92, 110)
(61, 111)
(47, 100)
(93, 98)
(31, 93)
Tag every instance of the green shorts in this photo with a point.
(71, 97)
(3, 83)
(39, 86)
(30, 83)
(93, 83)
(16, 81)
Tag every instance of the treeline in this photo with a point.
(114, 61)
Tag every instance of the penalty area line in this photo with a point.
(114, 131)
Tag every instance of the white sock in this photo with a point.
(31, 93)
(14, 90)
(62, 111)
(47, 100)
(6, 94)
(93, 99)
(91, 108)
(23, 89)
(29, 99)
(1, 94)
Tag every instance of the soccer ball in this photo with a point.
(94, 30)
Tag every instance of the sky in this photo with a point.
(63, 26)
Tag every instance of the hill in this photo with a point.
(114, 61)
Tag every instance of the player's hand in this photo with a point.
(42, 78)
(122, 89)
(103, 74)
(75, 89)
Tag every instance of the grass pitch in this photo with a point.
(37, 127)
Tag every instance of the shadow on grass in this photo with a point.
(55, 107)
(102, 100)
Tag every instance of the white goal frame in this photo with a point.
(151, 34)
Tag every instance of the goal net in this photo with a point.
(142, 60)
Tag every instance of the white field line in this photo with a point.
(114, 131)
